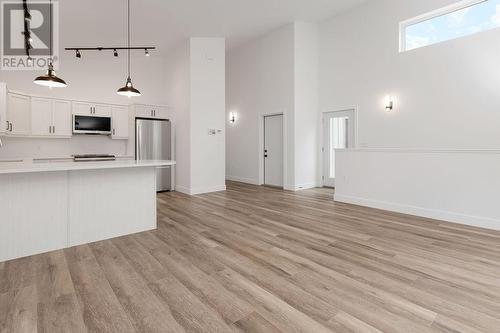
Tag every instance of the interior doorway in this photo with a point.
(273, 150)
(338, 133)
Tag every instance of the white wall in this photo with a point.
(306, 126)
(276, 73)
(447, 95)
(208, 104)
(95, 78)
(260, 80)
(455, 186)
(196, 80)
(447, 99)
(177, 86)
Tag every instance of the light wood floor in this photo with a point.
(256, 259)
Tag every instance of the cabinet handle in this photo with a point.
(50, 129)
(113, 131)
(54, 129)
(11, 126)
(7, 128)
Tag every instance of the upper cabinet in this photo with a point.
(61, 118)
(18, 114)
(151, 111)
(3, 107)
(90, 109)
(50, 117)
(120, 122)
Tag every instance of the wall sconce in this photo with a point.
(389, 103)
(232, 117)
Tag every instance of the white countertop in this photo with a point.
(30, 166)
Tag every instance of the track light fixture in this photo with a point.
(146, 52)
(115, 52)
(78, 54)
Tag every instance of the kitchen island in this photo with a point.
(53, 205)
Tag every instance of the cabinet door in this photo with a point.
(18, 114)
(102, 110)
(82, 109)
(41, 116)
(144, 111)
(61, 118)
(120, 122)
(3, 107)
(162, 112)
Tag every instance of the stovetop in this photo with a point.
(93, 157)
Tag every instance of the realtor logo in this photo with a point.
(25, 35)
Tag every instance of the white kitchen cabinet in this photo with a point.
(90, 109)
(61, 118)
(151, 111)
(120, 122)
(18, 114)
(41, 116)
(3, 107)
(50, 117)
(162, 112)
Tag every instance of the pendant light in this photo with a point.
(50, 79)
(128, 90)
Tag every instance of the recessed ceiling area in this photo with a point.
(169, 21)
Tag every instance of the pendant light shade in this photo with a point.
(50, 79)
(129, 89)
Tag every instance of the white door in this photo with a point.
(41, 116)
(338, 133)
(61, 118)
(273, 150)
(120, 122)
(19, 114)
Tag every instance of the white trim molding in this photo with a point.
(458, 186)
(200, 190)
(243, 180)
(477, 221)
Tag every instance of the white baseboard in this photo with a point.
(476, 221)
(183, 189)
(195, 191)
(243, 180)
(301, 187)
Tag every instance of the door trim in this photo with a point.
(353, 108)
(262, 141)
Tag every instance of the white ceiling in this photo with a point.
(163, 23)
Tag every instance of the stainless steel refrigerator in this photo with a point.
(153, 141)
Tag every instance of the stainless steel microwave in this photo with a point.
(91, 125)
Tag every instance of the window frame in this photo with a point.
(431, 15)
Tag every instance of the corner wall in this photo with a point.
(447, 95)
(276, 73)
(195, 74)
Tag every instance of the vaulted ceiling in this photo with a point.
(165, 22)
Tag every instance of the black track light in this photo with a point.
(115, 53)
(146, 52)
(78, 54)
